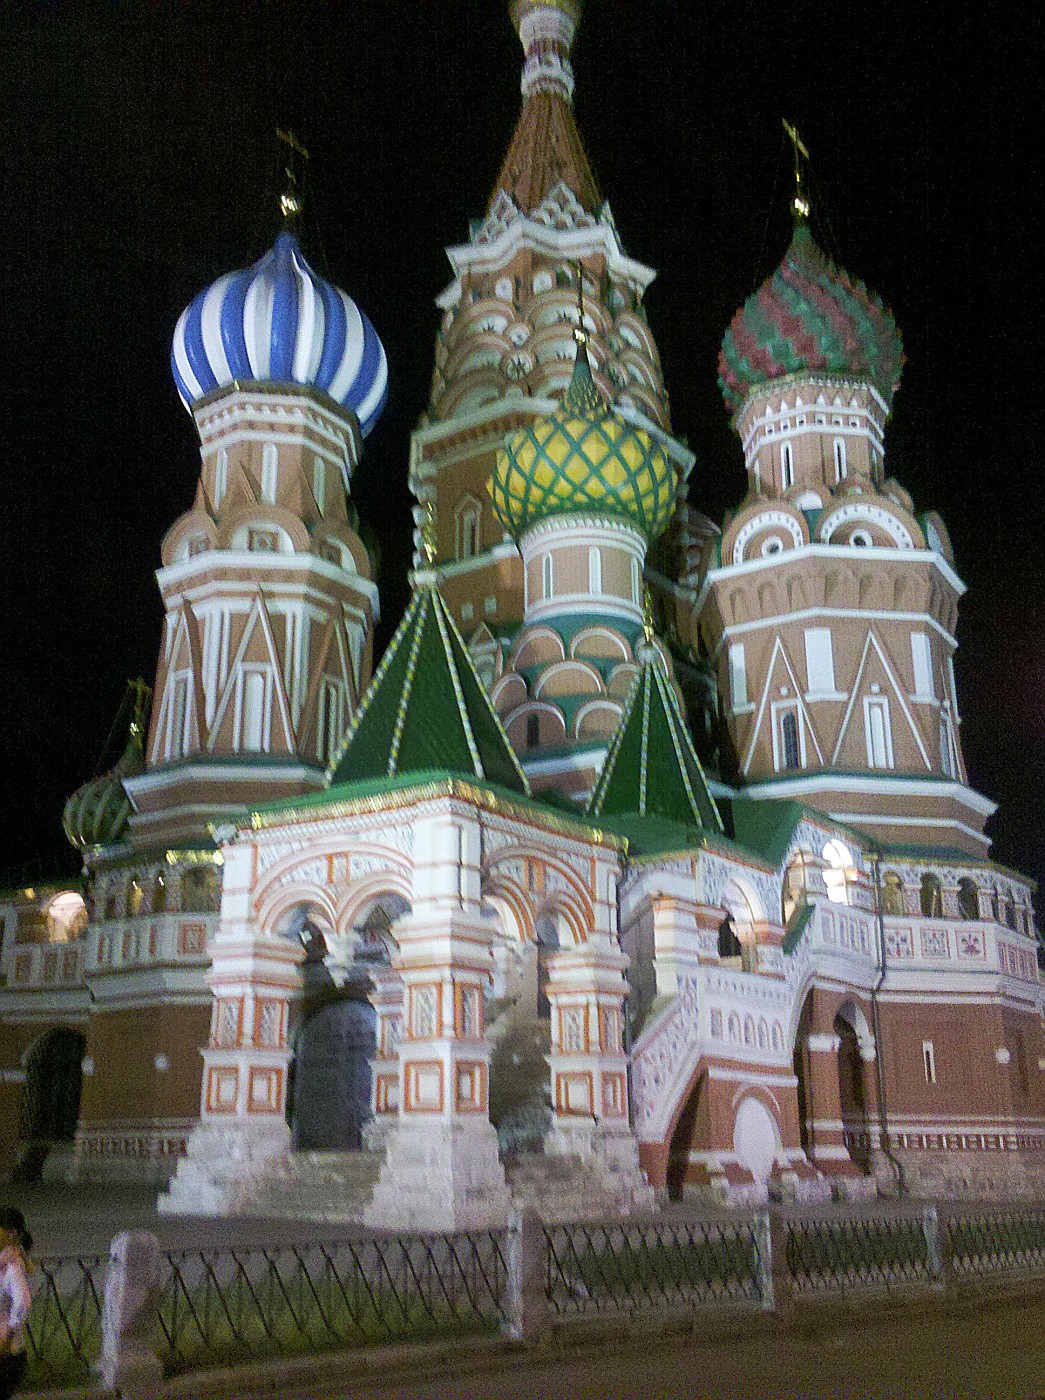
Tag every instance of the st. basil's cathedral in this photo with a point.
(643, 866)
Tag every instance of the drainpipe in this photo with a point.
(626, 1027)
(883, 1117)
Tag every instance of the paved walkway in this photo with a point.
(972, 1350)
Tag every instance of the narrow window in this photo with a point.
(252, 719)
(930, 899)
(468, 538)
(329, 720)
(546, 576)
(636, 582)
(319, 483)
(878, 734)
(929, 1061)
(787, 465)
(738, 675)
(221, 477)
(820, 661)
(594, 570)
(946, 743)
(178, 741)
(533, 731)
(921, 660)
(789, 737)
(840, 463)
(269, 462)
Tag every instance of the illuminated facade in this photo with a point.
(483, 928)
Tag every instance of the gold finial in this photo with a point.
(580, 335)
(142, 695)
(428, 539)
(290, 199)
(800, 204)
(647, 615)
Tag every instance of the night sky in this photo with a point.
(140, 164)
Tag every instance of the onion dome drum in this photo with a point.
(279, 322)
(583, 459)
(810, 317)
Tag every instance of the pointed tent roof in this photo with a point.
(546, 149)
(652, 768)
(426, 709)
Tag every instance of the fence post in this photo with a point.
(933, 1245)
(526, 1304)
(773, 1277)
(129, 1363)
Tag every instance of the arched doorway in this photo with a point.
(330, 1086)
(50, 1101)
(691, 1124)
(852, 1093)
(519, 1028)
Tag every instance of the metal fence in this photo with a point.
(839, 1254)
(219, 1304)
(64, 1329)
(222, 1305)
(654, 1264)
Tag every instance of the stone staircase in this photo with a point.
(332, 1186)
(560, 1188)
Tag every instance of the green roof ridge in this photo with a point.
(652, 768)
(426, 709)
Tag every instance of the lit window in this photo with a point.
(838, 871)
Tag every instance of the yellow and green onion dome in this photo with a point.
(810, 317)
(583, 459)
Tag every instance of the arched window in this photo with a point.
(468, 531)
(269, 464)
(159, 894)
(968, 898)
(253, 710)
(135, 898)
(796, 882)
(931, 897)
(893, 901)
(547, 579)
(200, 890)
(533, 730)
(787, 465)
(594, 570)
(840, 462)
(839, 871)
(1010, 913)
(319, 483)
(728, 943)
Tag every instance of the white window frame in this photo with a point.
(547, 577)
(177, 745)
(269, 473)
(929, 1061)
(820, 663)
(738, 679)
(787, 466)
(251, 669)
(319, 483)
(778, 710)
(221, 477)
(922, 665)
(948, 757)
(878, 704)
(594, 569)
(330, 719)
(841, 465)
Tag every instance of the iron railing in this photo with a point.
(654, 1264)
(995, 1241)
(64, 1328)
(219, 1304)
(884, 1251)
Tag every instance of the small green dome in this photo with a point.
(583, 459)
(98, 812)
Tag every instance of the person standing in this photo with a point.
(15, 1297)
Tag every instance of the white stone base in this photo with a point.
(440, 1176)
(223, 1168)
(612, 1155)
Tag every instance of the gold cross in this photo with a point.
(800, 204)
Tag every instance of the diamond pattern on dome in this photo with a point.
(809, 317)
(583, 459)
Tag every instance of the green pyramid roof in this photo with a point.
(652, 768)
(426, 709)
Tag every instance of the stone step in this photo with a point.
(319, 1186)
(560, 1188)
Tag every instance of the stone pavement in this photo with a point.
(973, 1349)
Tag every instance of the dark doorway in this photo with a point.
(330, 1087)
(50, 1101)
(684, 1140)
(855, 1132)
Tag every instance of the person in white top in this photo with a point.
(15, 1297)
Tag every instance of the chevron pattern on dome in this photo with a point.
(583, 459)
(652, 769)
(426, 709)
(810, 317)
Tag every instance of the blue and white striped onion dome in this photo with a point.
(278, 322)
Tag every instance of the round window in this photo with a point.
(773, 545)
(861, 538)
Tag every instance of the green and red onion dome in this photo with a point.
(810, 317)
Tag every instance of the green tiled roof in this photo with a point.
(426, 709)
(652, 768)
